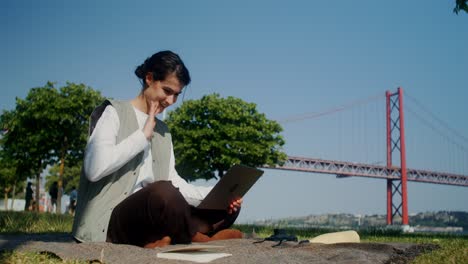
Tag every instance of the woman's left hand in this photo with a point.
(235, 206)
(153, 110)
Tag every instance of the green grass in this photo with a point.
(453, 248)
(31, 222)
(30, 257)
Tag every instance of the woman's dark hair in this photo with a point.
(161, 65)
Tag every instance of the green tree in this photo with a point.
(461, 5)
(213, 133)
(7, 173)
(26, 139)
(7, 179)
(13, 172)
(49, 126)
(70, 114)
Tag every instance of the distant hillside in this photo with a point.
(427, 219)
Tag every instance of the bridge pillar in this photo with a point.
(396, 122)
(389, 203)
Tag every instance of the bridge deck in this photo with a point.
(346, 169)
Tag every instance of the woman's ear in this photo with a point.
(149, 78)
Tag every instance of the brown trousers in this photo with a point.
(160, 210)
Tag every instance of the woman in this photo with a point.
(130, 192)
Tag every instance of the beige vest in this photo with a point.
(96, 200)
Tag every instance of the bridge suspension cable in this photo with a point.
(442, 122)
(330, 111)
(447, 151)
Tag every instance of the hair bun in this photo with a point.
(140, 71)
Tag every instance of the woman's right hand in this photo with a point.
(235, 205)
(151, 121)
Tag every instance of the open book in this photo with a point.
(194, 252)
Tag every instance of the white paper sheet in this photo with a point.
(195, 252)
(195, 256)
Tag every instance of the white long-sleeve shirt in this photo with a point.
(103, 155)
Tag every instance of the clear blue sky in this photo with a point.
(290, 58)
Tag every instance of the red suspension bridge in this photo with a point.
(396, 172)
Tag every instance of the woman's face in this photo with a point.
(164, 92)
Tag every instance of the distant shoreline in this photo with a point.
(433, 222)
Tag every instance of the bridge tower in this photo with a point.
(396, 141)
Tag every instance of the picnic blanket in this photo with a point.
(242, 251)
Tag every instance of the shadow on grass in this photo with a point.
(12, 241)
(20, 228)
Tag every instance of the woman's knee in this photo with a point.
(160, 185)
(164, 191)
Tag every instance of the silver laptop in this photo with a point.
(234, 184)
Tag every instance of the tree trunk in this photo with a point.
(60, 184)
(7, 190)
(60, 179)
(13, 197)
(38, 183)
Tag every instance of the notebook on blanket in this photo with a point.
(233, 185)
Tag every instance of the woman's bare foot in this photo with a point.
(221, 235)
(200, 237)
(165, 241)
(227, 234)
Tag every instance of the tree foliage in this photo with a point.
(25, 140)
(48, 127)
(13, 172)
(461, 5)
(7, 178)
(213, 133)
